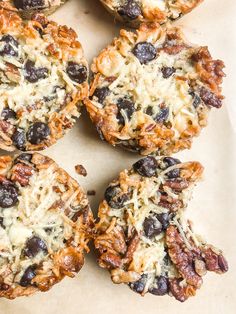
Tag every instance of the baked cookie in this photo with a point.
(27, 8)
(142, 236)
(152, 91)
(134, 12)
(43, 75)
(45, 225)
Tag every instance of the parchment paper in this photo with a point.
(212, 208)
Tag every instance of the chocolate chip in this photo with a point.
(38, 132)
(23, 157)
(162, 116)
(145, 52)
(139, 286)
(127, 106)
(77, 72)
(167, 71)
(8, 113)
(34, 246)
(28, 4)
(164, 219)
(19, 139)
(169, 162)
(33, 74)
(209, 98)
(146, 167)
(115, 197)
(131, 10)
(8, 195)
(162, 288)
(196, 99)
(28, 275)
(10, 48)
(101, 94)
(152, 227)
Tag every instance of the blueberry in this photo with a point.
(28, 275)
(33, 74)
(162, 286)
(101, 94)
(146, 167)
(127, 106)
(130, 10)
(8, 195)
(167, 71)
(38, 132)
(8, 113)
(19, 139)
(145, 52)
(33, 246)
(115, 197)
(77, 72)
(169, 162)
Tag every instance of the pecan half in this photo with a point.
(21, 173)
(109, 261)
(177, 184)
(214, 261)
(182, 257)
(181, 292)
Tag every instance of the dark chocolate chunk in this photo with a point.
(33, 74)
(77, 72)
(127, 106)
(130, 10)
(162, 286)
(28, 275)
(38, 132)
(146, 167)
(167, 71)
(34, 246)
(8, 195)
(115, 197)
(19, 139)
(145, 52)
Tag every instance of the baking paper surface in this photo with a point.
(212, 208)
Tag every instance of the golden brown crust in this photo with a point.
(117, 72)
(76, 223)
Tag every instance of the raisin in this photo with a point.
(131, 10)
(101, 94)
(145, 52)
(33, 74)
(209, 98)
(167, 71)
(28, 275)
(28, 4)
(38, 132)
(8, 113)
(10, 47)
(139, 286)
(146, 167)
(34, 246)
(196, 99)
(127, 106)
(152, 227)
(19, 139)
(77, 72)
(162, 288)
(8, 195)
(114, 197)
(169, 162)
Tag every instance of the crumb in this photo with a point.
(91, 192)
(81, 170)
(86, 12)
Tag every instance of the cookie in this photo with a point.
(142, 235)
(134, 12)
(45, 225)
(152, 91)
(27, 8)
(43, 75)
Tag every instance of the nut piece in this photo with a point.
(81, 170)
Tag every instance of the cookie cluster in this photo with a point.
(150, 92)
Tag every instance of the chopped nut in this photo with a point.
(180, 292)
(21, 173)
(81, 170)
(200, 267)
